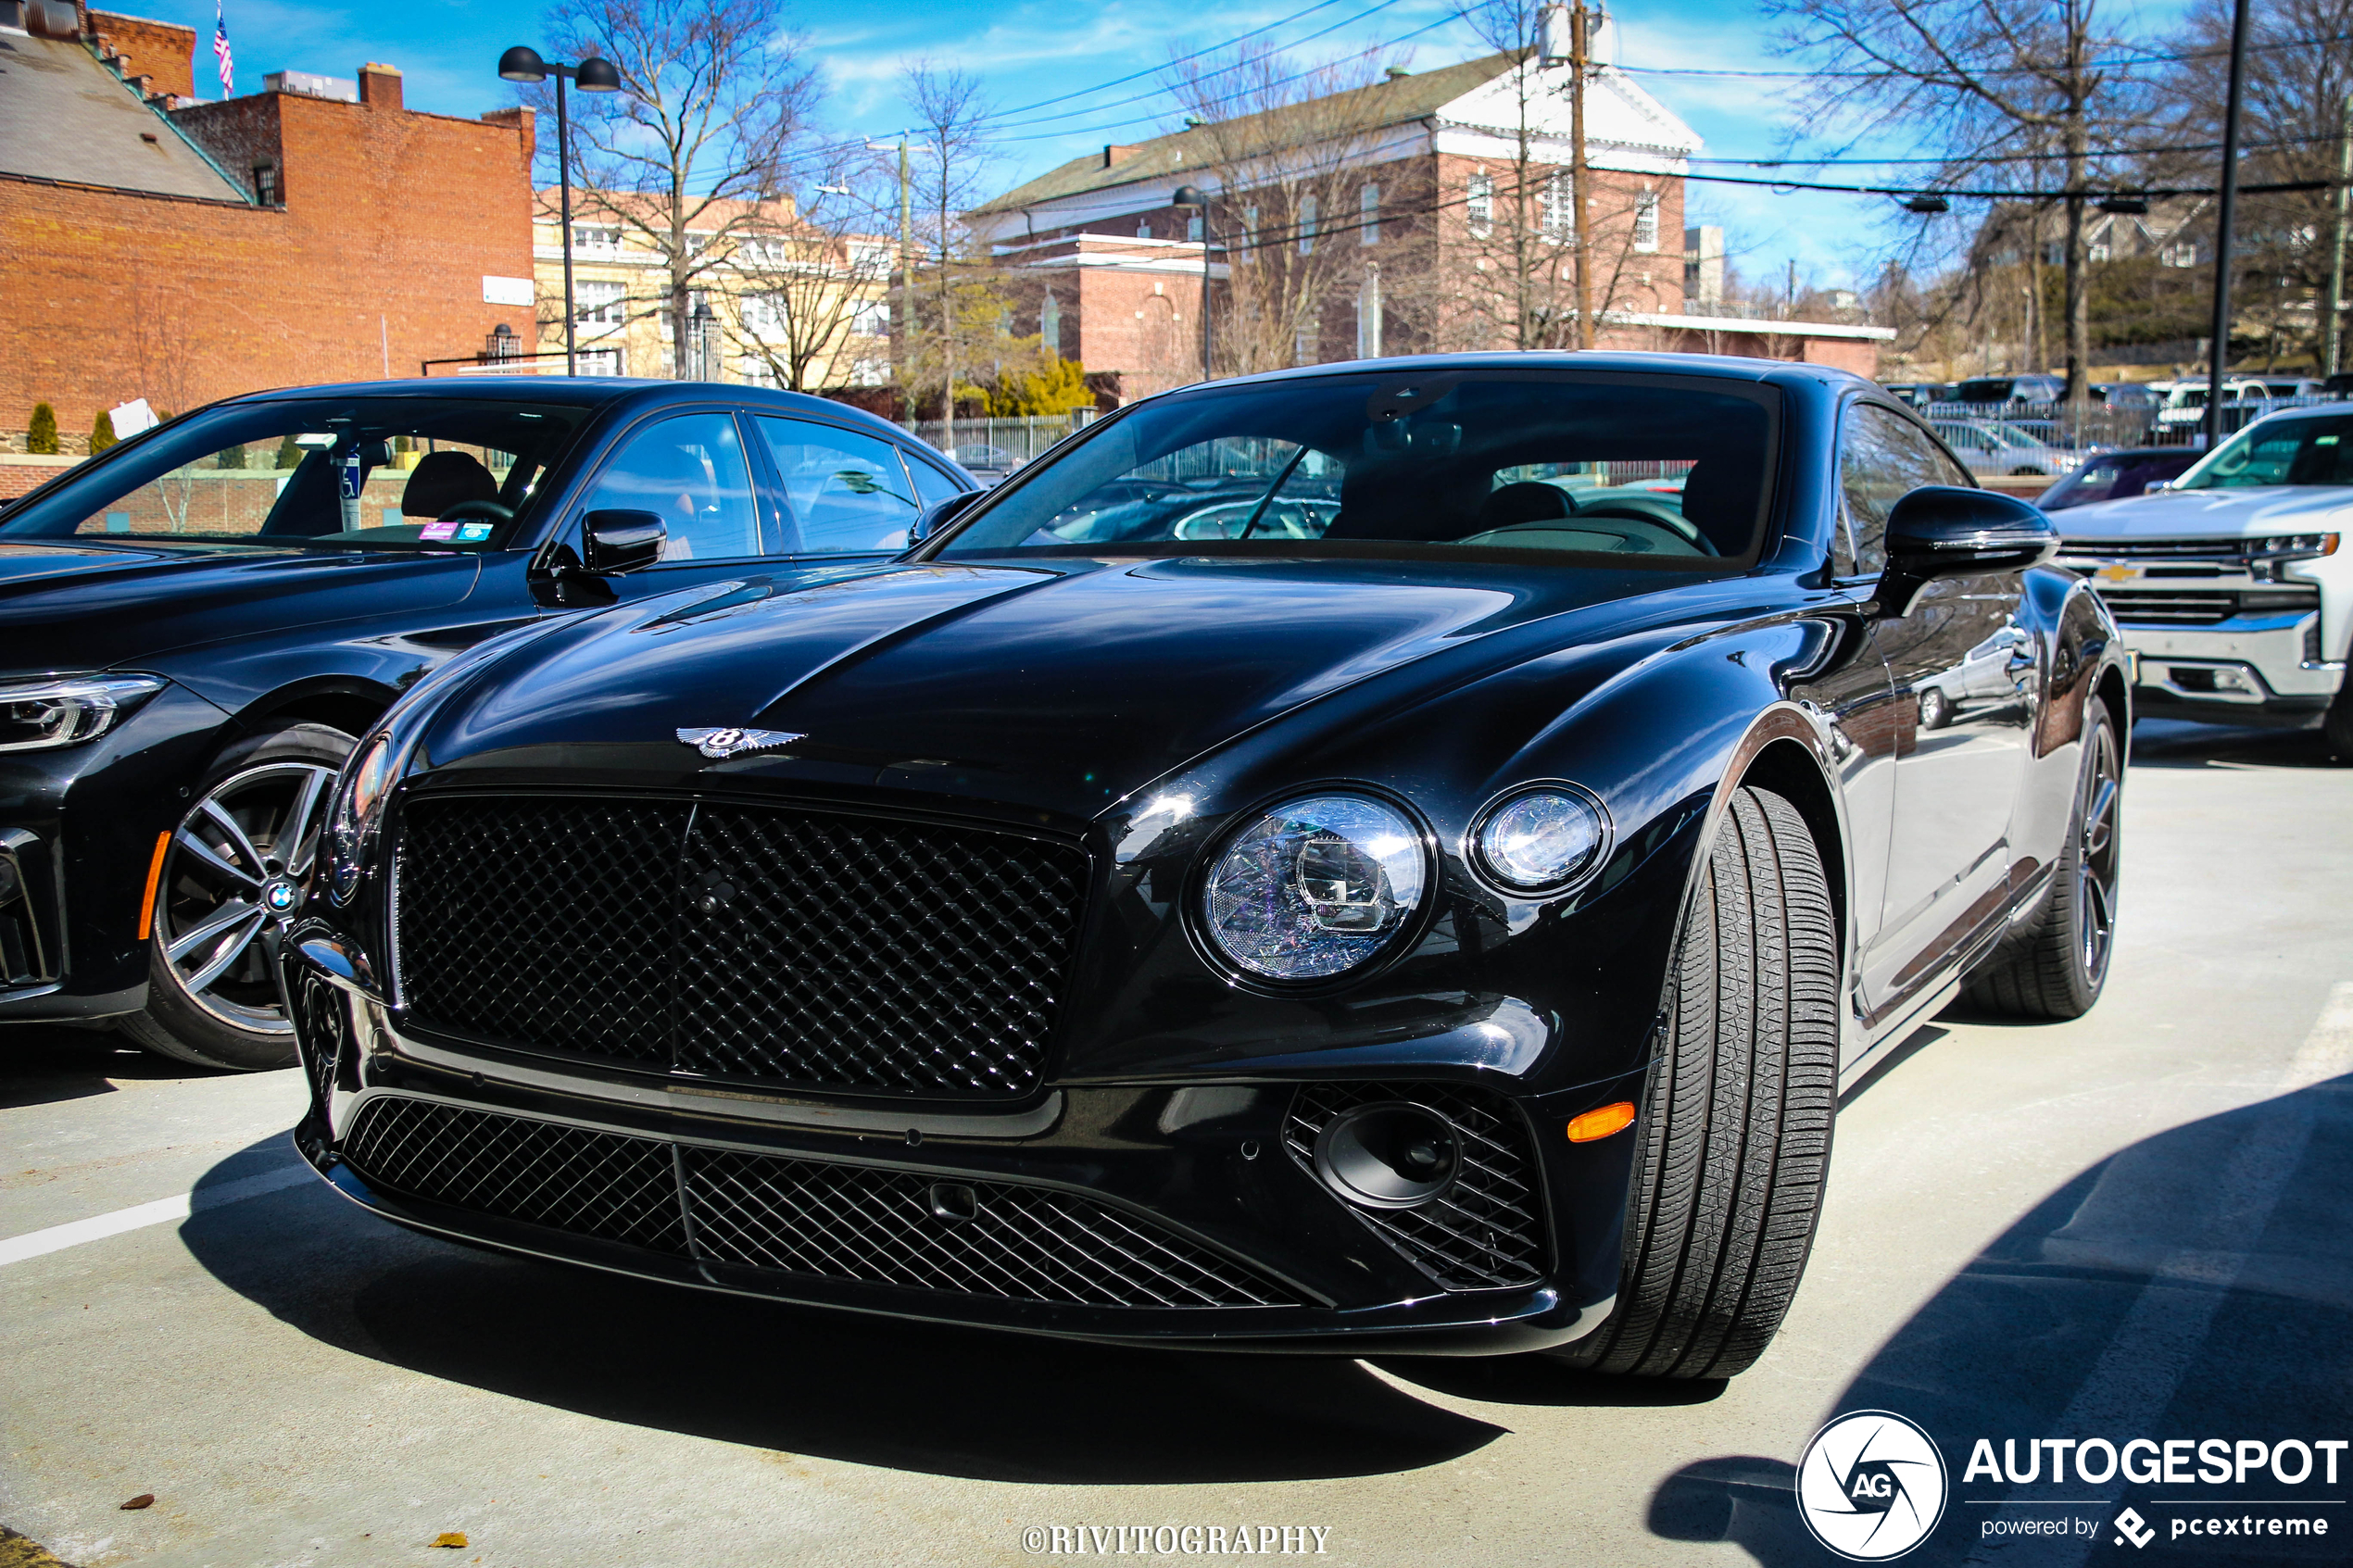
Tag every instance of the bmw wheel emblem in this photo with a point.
(280, 897)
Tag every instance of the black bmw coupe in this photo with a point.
(1426, 896)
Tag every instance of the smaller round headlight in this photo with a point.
(360, 798)
(1542, 840)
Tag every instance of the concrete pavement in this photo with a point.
(2133, 1223)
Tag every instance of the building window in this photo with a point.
(1193, 227)
(265, 186)
(871, 319)
(2185, 254)
(1250, 227)
(1646, 222)
(599, 303)
(1369, 215)
(1143, 229)
(598, 361)
(1478, 204)
(1306, 229)
(1050, 324)
(1553, 207)
(595, 238)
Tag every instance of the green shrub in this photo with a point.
(231, 457)
(289, 454)
(41, 437)
(102, 433)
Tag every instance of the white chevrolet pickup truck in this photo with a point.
(2233, 585)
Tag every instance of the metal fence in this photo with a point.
(1000, 445)
(2052, 424)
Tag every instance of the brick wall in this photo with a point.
(390, 223)
(162, 52)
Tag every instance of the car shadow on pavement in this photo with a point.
(2166, 743)
(867, 1390)
(2196, 1284)
(47, 1063)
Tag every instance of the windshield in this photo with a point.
(373, 472)
(2292, 451)
(1675, 470)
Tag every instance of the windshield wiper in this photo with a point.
(1280, 480)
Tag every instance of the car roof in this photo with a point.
(1726, 366)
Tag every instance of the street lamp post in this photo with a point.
(595, 74)
(1189, 195)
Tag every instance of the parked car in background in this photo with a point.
(2185, 403)
(2117, 476)
(1919, 395)
(1408, 933)
(988, 465)
(2232, 584)
(1996, 447)
(202, 620)
(1987, 390)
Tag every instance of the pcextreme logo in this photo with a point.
(1871, 1485)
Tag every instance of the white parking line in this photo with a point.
(162, 1211)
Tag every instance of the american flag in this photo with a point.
(221, 49)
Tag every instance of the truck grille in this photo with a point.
(784, 945)
(807, 1218)
(2152, 549)
(2206, 607)
(1483, 1232)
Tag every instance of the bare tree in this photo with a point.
(1283, 145)
(954, 149)
(713, 97)
(1982, 83)
(811, 284)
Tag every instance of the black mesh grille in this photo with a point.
(802, 947)
(868, 954)
(542, 923)
(1482, 1233)
(1020, 1243)
(593, 1184)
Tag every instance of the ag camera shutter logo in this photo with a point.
(1871, 1485)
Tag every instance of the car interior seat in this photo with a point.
(441, 480)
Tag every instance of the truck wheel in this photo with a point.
(2338, 729)
(2054, 967)
(1736, 1122)
(234, 867)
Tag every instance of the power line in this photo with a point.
(2007, 158)
(1996, 70)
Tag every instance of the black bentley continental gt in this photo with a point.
(1424, 897)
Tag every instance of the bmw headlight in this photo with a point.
(37, 715)
(1540, 840)
(1315, 886)
(360, 794)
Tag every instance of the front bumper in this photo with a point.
(1149, 1213)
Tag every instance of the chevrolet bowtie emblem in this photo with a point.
(2116, 571)
(730, 743)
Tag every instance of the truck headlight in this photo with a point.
(67, 710)
(1315, 886)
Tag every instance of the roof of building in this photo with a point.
(1362, 110)
(64, 116)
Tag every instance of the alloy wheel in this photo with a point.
(2096, 856)
(235, 867)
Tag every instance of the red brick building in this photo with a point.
(1426, 212)
(182, 252)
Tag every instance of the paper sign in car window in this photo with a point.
(438, 531)
(472, 533)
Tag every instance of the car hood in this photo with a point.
(1060, 689)
(68, 605)
(2221, 514)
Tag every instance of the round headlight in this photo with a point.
(360, 798)
(1542, 840)
(1315, 886)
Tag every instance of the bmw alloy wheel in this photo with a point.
(235, 868)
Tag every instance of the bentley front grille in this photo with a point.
(968, 1238)
(807, 1218)
(802, 947)
(1485, 1230)
(542, 1173)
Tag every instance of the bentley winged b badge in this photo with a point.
(733, 742)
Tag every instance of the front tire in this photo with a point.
(251, 837)
(1935, 708)
(2338, 729)
(2056, 967)
(1736, 1122)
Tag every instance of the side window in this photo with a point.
(843, 491)
(689, 471)
(1871, 477)
(931, 485)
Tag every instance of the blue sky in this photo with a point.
(1031, 50)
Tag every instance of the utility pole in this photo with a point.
(1578, 49)
(2221, 351)
(2332, 328)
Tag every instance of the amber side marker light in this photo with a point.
(1596, 1124)
(147, 899)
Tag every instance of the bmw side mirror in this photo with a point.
(938, 517)
(1943, 531)
(615, 542)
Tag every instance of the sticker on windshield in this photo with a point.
(438, 531)
(473, 533)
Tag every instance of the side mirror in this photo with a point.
(1943, 531)
(615, 542)
(936, 518)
